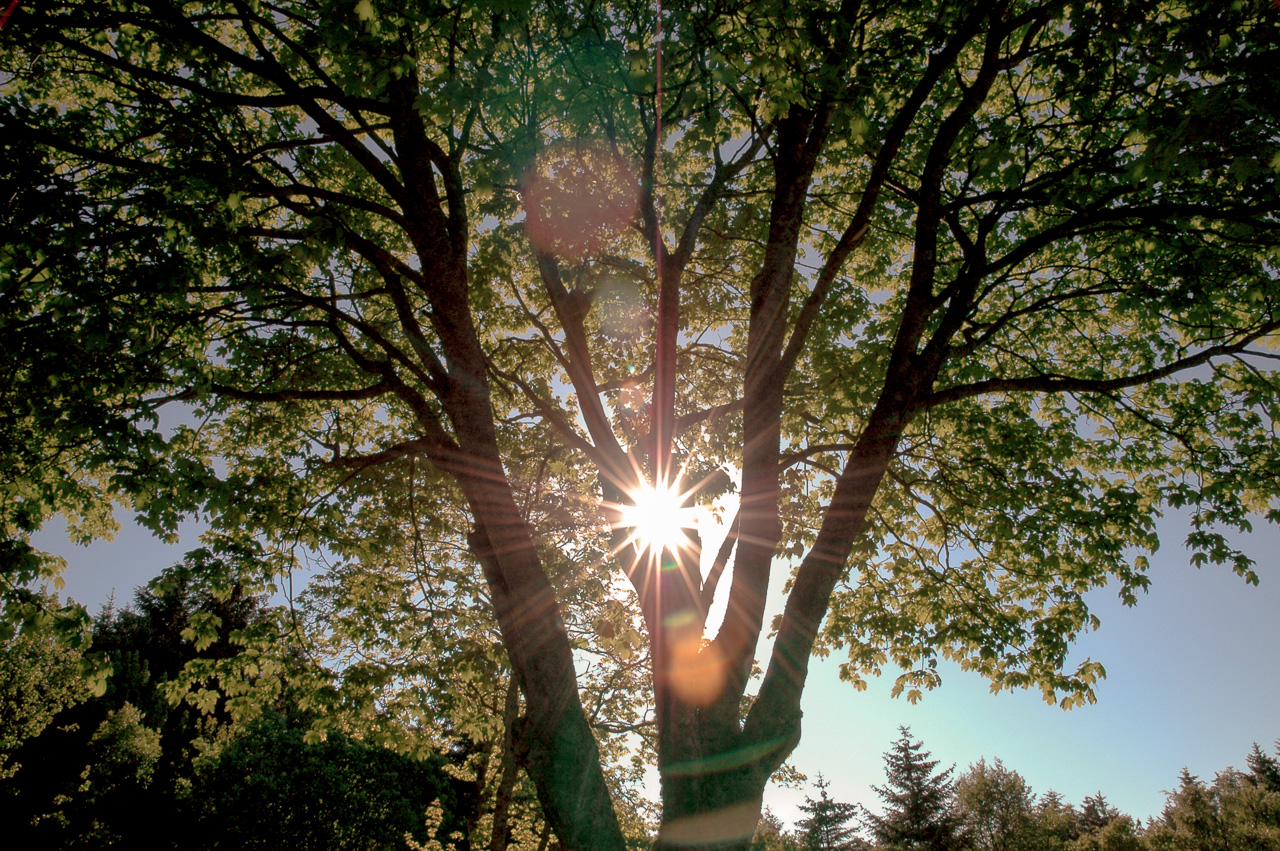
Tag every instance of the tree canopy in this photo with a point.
(996, 806)
(939, 303)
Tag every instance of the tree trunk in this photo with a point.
(708, 811)
(510, 771)
(555, 741)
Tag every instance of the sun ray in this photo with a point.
(658, 517)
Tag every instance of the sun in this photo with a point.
(658, 518)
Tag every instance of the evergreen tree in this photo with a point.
(1264, 770)
(917, 802)
(1119, 834)
(1237, 812)
(269, 788)
(101, 760)
(1057, 821)
(1096, 813)
(827, 827)
(1248, 812)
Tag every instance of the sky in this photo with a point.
(1193, 678)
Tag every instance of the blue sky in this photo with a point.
(1193, 678)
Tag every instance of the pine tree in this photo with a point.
(1191, 818)
(918, 815)
(1057, 821)
(1096, 813)
(827, 827)
(1264, 770)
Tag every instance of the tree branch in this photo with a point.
(1073, 384)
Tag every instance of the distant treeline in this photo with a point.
(991, 808)
(135, 767)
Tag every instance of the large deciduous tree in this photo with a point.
(955, 295)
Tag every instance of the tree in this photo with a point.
(103, 758)
(1249, 812)
(89, 767)
(268, 788)
(827, 826)
(955, 296)
(383, 636)
(771, 835)
(1095, 813)
(996, 808)
(1118, 834)
(1057, 822)
(918, 803)
(1264, 769)
(1239, 810)
(124, 752)
(39, 677)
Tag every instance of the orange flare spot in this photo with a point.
(696, 673)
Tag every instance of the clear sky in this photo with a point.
(1193, 679)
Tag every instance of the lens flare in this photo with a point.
(578, 200)
(659, 518)
(697, 673)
